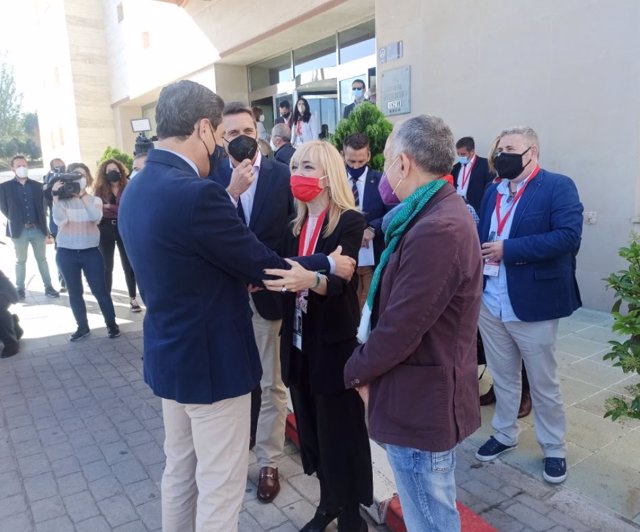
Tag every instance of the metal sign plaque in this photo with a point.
(396, 91)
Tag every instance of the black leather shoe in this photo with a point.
(319, 522)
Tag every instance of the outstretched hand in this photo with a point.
(345, 265)
(293, 280)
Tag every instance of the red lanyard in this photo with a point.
(503, 221)
(314, 236)
(466, 178)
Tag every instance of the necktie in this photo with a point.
(241, 211)
(354, 189)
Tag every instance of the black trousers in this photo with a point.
(109, 238)
(334, 442)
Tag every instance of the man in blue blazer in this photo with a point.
(364, 181)
(193, 258)
(266, 207)
(471, 174)
(530, 230)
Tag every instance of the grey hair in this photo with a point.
(283, 131)
(529, 135)
(428, 141)
(182, 104)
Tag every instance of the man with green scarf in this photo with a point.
(417, 367)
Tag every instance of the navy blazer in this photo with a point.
(540, 253)
(479, 179)
(272, 209)
(9, 201)
(193, 258)
(284, 153)
(374, 210)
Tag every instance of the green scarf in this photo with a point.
(397, 227)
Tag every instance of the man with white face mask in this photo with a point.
(358, 89)
(22, 203)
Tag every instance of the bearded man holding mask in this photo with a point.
(530, 230)
(265, 207)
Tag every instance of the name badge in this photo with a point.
(492, 269)
(301, 308)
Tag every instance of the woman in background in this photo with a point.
(304, 125)
(77, 218)
(320, 318)
(110, 183)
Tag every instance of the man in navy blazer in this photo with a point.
(266, 207)
(363, 181)
(471, 174)
(530, 230)
(193, 258)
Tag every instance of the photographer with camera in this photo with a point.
(110, 183)
(77, 215)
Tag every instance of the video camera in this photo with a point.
(143, 144)
(70, 183)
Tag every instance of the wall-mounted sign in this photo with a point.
(396, 91)
(390, 52)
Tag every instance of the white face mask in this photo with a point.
(83, 183)
(22, 172)
(261, 118)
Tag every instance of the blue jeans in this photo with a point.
(427, 488)
(36, 238)
(72, 262)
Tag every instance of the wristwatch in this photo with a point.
(372, 229)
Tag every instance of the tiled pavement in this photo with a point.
(81, 439)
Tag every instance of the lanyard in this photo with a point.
(314, 236)
(465, 177)
(503, 221)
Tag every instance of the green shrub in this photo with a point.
(115, 153)
(626, 284)
(368, 119)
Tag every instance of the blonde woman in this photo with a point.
(320, 318)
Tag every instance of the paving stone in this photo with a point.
(117, 510)
(71, 484)
(65, 466)
(142, 491)
(533, 519)
(59, 524)
(40, 487)
(149, 453)
(14, 504)
(18, 523)
(96, 470)
(95, 524)
(89, 454)
(10, 484)
(81, 506)
(46, 509)
(134, 526)
(105, 487)
(484, 492)
(268, 515)
(151, 513)
(129, 471)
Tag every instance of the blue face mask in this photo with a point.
(358, 93)
(463, 160)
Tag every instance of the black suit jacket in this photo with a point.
(479, 179)
(9, 201)
(284, 153)
(329, 327)
(272, 209)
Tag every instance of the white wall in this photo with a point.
(567, 68)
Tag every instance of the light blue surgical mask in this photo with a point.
(463, 160)
(358, 93)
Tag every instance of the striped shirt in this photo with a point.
(77, 220)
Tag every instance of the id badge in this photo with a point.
(492, 269)
(301, 307)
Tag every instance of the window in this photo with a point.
(320, 54)
(357, 42)
(271, 72)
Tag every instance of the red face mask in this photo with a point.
(305, 188)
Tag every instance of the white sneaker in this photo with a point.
(134, 305)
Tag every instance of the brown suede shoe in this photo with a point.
(525, 405)
(268, 484)
(488, 398)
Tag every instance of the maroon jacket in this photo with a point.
(420, 359)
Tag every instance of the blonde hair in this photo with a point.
(492, 151)
(340, 195)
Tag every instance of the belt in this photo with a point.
(30, 226)
(112, 221)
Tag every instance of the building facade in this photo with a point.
(567, 68)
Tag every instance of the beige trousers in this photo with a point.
(207, 462)
(273, 408)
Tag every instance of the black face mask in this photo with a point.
(356, 172)
(509, 165)
(242, 148)
(113, 176)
